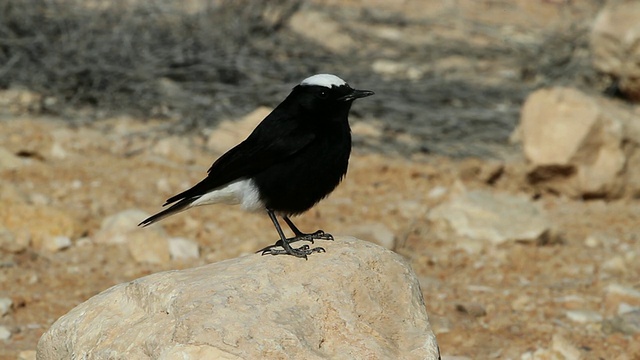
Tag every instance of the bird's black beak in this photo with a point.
(356, 94)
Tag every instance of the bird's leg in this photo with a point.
(302, 251)
(299, 235)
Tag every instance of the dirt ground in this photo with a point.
(497, 302)
(524, 289)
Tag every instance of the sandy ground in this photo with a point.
(516, 295)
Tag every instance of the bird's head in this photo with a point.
(326, 93)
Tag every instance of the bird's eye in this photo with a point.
(323, 94)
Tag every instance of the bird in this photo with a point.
(295, 157)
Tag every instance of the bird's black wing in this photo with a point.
(274, 140)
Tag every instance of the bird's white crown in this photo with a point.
(326, 80)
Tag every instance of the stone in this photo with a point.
(561, 349)
(36, 224)
(627, 323)
(27, 355)
(575, 143)
(584, 316)
(357, 300)
(5, 306)
(150, 247)
(472, 308)
(115, 228)
(5, 333)
(183, 249)
(56, 243)
(614, 39)
(496, 218)
(230, 133)
(14, 243)
(616, 265)
(619, 299)
(8, 160)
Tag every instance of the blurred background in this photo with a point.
(450, 75)
(500, 155)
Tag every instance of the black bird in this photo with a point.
(293, 159)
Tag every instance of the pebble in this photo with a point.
(627, 323)
(56, 243)
(27, 355)
(5, 305)
(561, 348)
(584, 316)
(8, 160)
(472, 308)
(148, 247)
(619, 299)
(12, 242)
(181, 248)
(115, 228)
(5, 333)
(615, 265)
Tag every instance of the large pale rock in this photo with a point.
(493, 217)
(356, 301)
(578, 144)
(614, 44)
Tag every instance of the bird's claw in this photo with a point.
(301, 252)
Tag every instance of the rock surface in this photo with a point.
(579, 145)
(356, 301)
(484, 216)
(614, 45)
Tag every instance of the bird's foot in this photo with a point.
(318, 235)
(301, 252)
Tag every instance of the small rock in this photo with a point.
(627, 323)
(8, 160)
(575, 143)
(14, 243)
(492, 217)
(592, 241)
(472, 308)
(584, 316)
(619, 298)
(614, 39)
(615, 265)
(180, 248)
(562, 346)
(5, 333)
(437, 192)
(148, 247)
(37, 223)
(5, 306)
(561, 349)
(56, 243)
(115, 228)
(27, 355)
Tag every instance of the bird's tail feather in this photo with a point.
(174, 209)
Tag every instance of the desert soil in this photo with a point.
(485, 302)
(524, 289)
